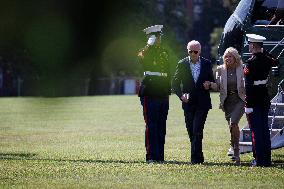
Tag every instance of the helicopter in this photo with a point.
(265, 18)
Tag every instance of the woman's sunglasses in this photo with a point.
(190, 51)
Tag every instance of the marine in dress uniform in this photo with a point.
(154, 93)
(256, 71)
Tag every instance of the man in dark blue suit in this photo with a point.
(191, 83)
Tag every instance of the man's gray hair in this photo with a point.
(193, 42)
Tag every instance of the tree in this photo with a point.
(230, 4)
(227, 9)
(215, 37)
(130, 37)
(68, 40)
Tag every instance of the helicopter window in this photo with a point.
(268, 12)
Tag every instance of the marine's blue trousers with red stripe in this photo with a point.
(155, 112)
(261, 144)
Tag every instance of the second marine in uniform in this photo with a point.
(257, 99)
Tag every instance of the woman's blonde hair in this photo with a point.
(236, 55)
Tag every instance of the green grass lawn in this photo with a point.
(98, 142)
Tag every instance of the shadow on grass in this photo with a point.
(275, 164)
(32, 156)
(17, 155)
(279, 163)
(204, 164)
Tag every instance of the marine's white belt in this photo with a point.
(156, 73)
(260, 82)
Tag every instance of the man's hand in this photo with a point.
(207, 85)
(185, 97)
(248, 110)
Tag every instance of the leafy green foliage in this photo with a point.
(215, 37)
(230, 4)
(223, 13)
(119, 57)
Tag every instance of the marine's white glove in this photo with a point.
(185, 97)
(151, 40)
(248, 110)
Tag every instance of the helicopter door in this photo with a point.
(268, 12)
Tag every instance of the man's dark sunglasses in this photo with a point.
(190, 51)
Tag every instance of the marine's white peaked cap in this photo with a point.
(255, 38)
(153, 29)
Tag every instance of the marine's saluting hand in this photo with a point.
(185, 97)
